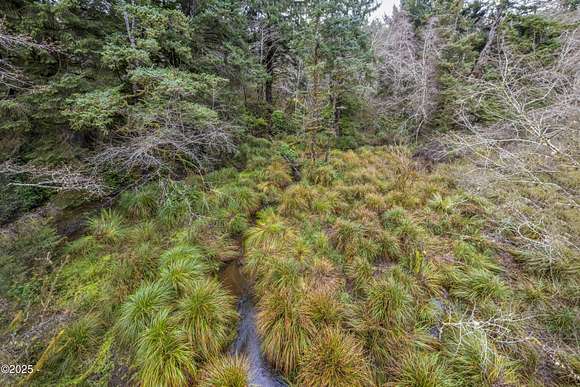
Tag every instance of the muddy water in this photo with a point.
(247, 341)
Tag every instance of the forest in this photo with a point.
(230, 193)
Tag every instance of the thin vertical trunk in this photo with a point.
(484, 54)
(269, 64)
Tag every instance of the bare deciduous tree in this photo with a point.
(407, 69)
(534, 113)
(168, 138)
(522, 129)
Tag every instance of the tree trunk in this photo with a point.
(477, 70)
(270, 49)
(335, 102)
(189, 7)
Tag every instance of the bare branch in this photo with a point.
(60, 179)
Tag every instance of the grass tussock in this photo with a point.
(227, 371)
(107, 227)
(334, 359)
(423, 369)
(164, 356)
(141, 308)
(368, 271)
(284, 334)
(207, 314)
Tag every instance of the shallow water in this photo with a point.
(247, 340)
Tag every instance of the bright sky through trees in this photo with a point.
(385, 7)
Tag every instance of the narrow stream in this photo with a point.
(247, 341)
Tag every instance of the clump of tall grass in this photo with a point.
(76, 344)
(321, 310)
(348, 236)
(475, 361)
(410, 234)
(564, 322)
(237, 199)
(225, 371)
(390, 246)
(208, 315)
(140, 308)
(354, 192)
(375, 202)
(469, 255)
(394, 218)
(477, 285)
(442, 204)
(220, 248)
(144, 232)
(388, 302)
(107, 226)
(557, 262)
(297, 198)
(83, 246)
(176, 207)
(361, 272)
(334, 359)
(323, 275)
(328, 202)
(282, 329)
(140, 204)
(181, 253)
(82, 283)
(284, 275)
(321, 175)
(423, 369)
(181, 274)
(237, 225)
(269, 233)
(278, 173)
(164, 357)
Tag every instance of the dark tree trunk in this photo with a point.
(189, 7)
(270, 49)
